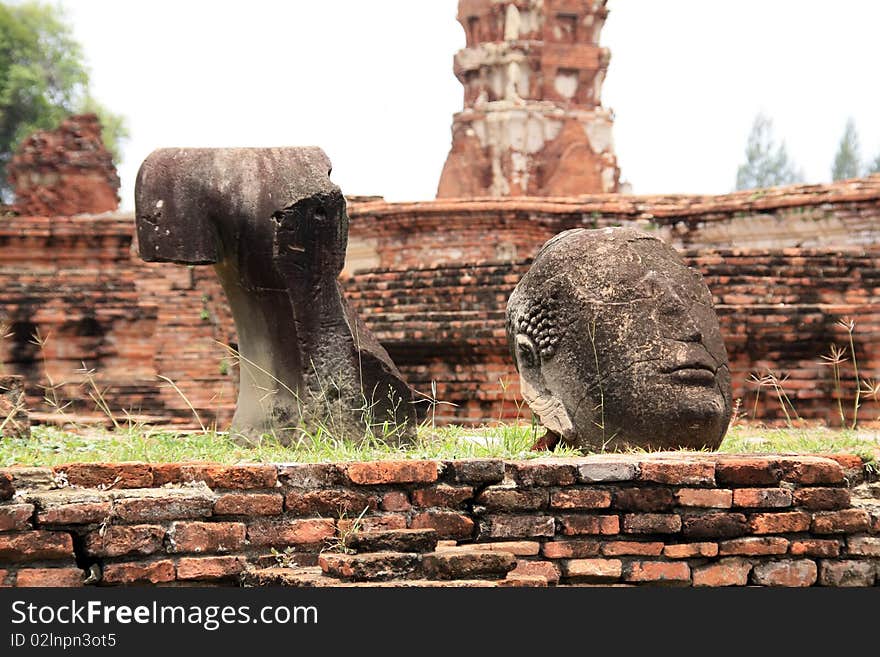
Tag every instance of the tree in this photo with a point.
(767, 164)
(874, 167)
(43, 79)
(847, 161)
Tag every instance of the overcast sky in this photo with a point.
(371, 82)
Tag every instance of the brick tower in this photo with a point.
(533, 123)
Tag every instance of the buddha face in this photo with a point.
(618, 345)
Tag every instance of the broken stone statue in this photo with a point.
(275, 228)
(617, 344)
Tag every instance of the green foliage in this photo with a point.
(847, 161)
(43, 79)
(767, 164)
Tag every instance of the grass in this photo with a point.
(51, 446)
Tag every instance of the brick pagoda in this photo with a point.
(533, 122)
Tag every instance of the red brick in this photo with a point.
(658, 571)
(393, 472)
(151, 509)
(580, 498)
(542, 472)
(766, 498)
(210, 568)
(15, 517)
(651, 523)
(800, 572)
(546, 569)
(167, 473)
(631, 548)
(335, 503)
(206, 536)
(514, 499)
(119, 540)
(726, 572)
(841, 522)
(249, 504)
(35, 546)
(846, 461)
(49, 577)
(282, 533)
(236, 477)
(866, 546)
(754, 546)
(710, 498)
(4, 575)
(379, 522)
(517, 526)
(395, 501)
(573, 524)
(786, 522)
(747, 471)
(815, 547)
(811, 470)
(516, 548)
(846, 573)
(822, 499)
(132, 573)
(690, 550)
(643, 499)
(448, 524)
(78, 513)
(573, 549)
(593, 570)
(7, 490)
(108, 475)
(678, 471)
(715, 525)
(450, 497)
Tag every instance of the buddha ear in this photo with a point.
(526, 353)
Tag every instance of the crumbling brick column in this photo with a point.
(64, 172)
(533, 123)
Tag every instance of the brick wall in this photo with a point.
(695, 519)
(778, 310)
(458, 231)
(438, 307)
(76, 282)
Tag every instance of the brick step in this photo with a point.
(314, 577)
(459, 563)
(392, 540)
(369, 567)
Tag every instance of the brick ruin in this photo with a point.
(65, 171)
(783, 265)
(694, 520)
(533, 122)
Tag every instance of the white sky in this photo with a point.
(370, 81)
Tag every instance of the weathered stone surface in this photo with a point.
(14, 419)
(392, 540)
(726, 572)
(276, 232)
(617, 345)
(463, 563)
(476, 471)
(593, 570)
(369, 567)
(119, 540)
(846, 573)
(15, 517)
(800, 572)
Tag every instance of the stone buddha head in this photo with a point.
(617, 344)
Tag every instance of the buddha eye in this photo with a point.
(526, 353)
